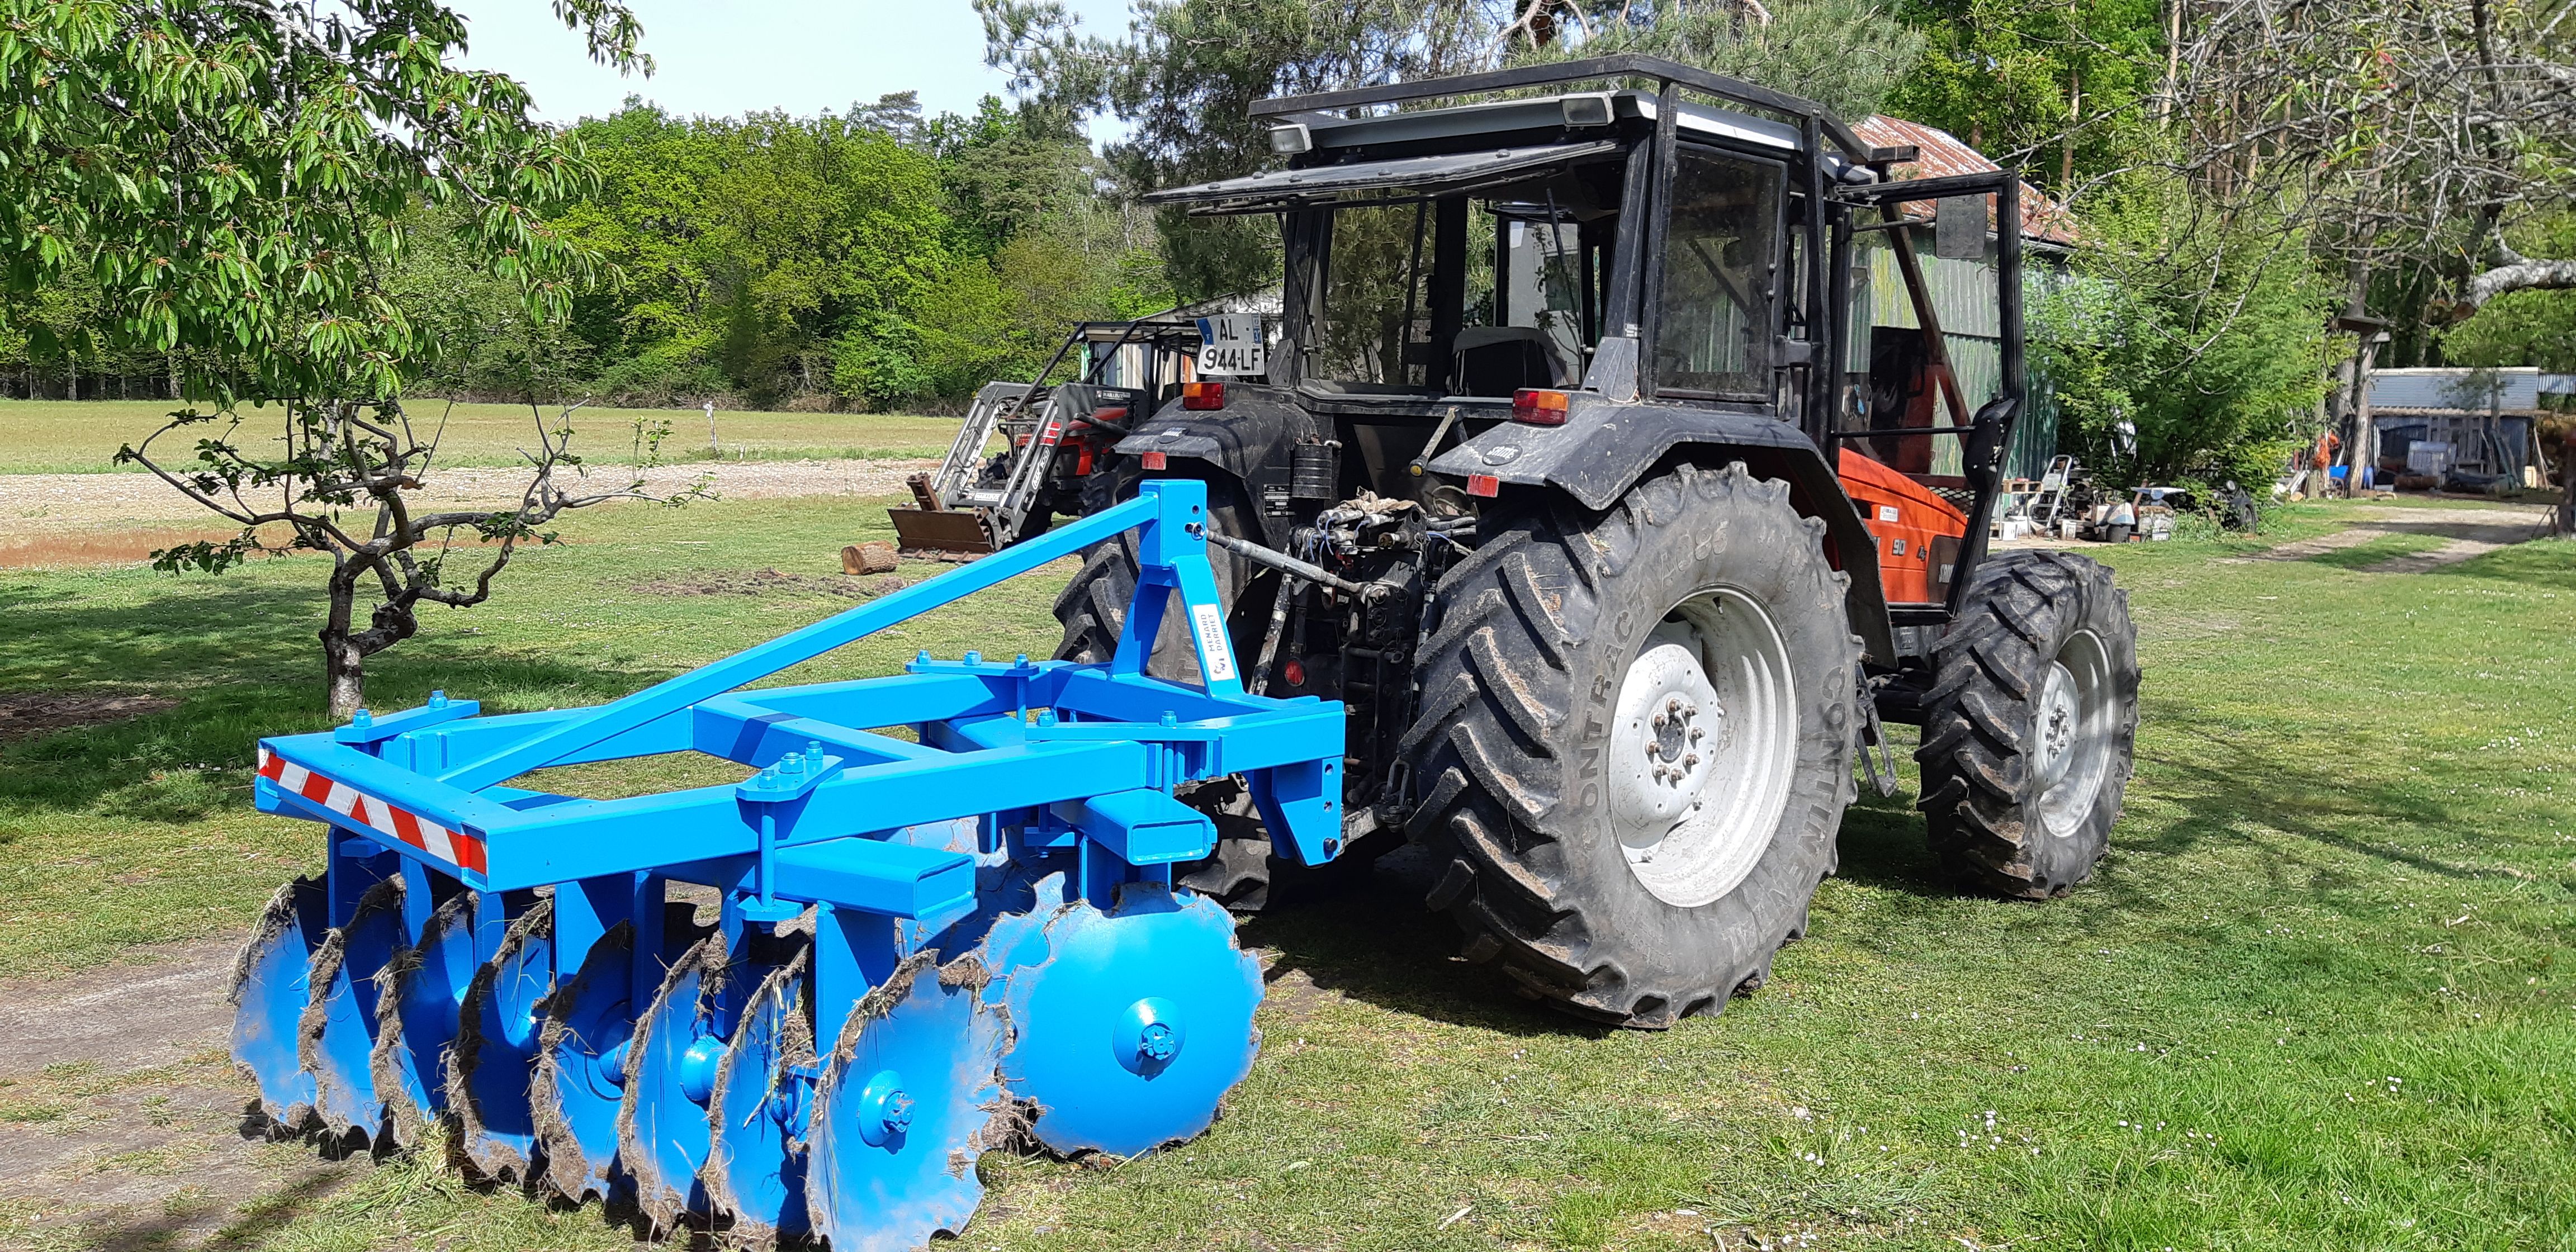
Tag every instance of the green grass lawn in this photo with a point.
(2323, 994)
(76, 437)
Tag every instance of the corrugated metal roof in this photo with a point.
(1943, 155)
(2510, 390)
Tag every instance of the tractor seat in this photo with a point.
(1499, 360)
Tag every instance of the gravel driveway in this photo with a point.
(39, 502)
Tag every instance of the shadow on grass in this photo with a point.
(262, 1216)
(1882, 846)
(2226, 777)
(1375, 942)
(241, 659)
(2547, 564)
(2362, 556)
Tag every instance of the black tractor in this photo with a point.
(1590, 477)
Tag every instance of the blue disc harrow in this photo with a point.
(919, 947)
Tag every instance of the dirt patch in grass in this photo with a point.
(770, 582)
(121, 1119)
(2422, 538)
(81, 501)
(36, 713)
(73, 549)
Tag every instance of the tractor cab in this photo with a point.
(1562, 286)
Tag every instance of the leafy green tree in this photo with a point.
(1007, 171)
(2178, 354)
(2063, 89)
(1185, 75)
(490, 343)
(2524, 327)
(1843, 54)
(749, 246)
(239, 179)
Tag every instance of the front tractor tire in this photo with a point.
(2030, 723)
(1634, 749)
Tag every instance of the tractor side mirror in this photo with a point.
(1988, 431)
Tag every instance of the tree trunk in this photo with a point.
(344, 667)
(344, 675)
(2066, 142)
(2365, 427)
(2520, 274)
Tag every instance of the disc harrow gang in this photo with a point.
(918, 949)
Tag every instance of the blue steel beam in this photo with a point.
(448, 806)
(533, 839)
(605, 836)
(740, 730)
(894, 700)
(434, 750)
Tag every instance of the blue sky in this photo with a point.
(722, 57)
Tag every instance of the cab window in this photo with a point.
(1721, 266)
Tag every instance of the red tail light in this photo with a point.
(1202, 395)
(1538, 408)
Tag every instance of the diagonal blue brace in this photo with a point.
(1171, 512)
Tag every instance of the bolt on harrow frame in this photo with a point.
(922, 947)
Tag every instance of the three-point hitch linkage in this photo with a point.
(920, 947)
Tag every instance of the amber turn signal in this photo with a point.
(1202, 395)
(1538, 407)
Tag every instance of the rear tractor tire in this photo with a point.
(1634, 749)
(2030, 724)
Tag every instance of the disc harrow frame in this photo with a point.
(838, 865)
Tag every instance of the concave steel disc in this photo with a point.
(755, 1168)
(416, 1015)
(270, 986)
(1128, 1026)
(496, 1047)
(577, 1085)
(669, 1069)
(336, 1037)
(907, 1103)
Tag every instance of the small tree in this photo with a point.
(238, 178)
(340, 460)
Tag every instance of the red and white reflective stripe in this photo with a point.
(452, 846)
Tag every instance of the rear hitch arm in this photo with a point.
(1288, 565)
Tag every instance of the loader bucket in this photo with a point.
(928, 532)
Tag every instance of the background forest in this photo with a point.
(2239, 176)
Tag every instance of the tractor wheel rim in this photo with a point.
(2071, 732)
(1703, 745)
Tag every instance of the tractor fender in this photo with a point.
(1249, 439)
(1605, 446)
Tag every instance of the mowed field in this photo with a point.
(59, 437)
(2323, 994)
